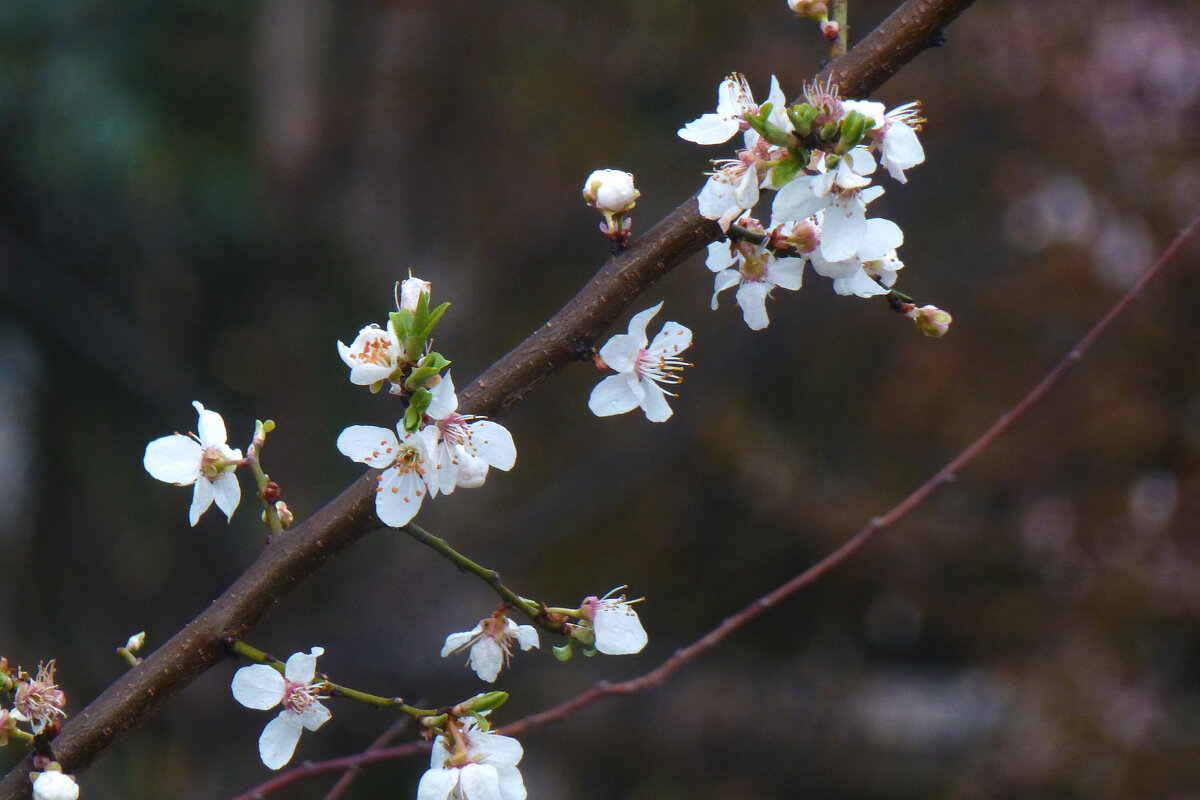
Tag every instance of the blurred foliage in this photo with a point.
(198, 198)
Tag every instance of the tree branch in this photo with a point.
(292, 557)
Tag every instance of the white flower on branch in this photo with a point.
(615, 624)
(894, 134)
(203, 460)
(466, 445)
(375, 353)
(405, 463)
(610, 190)
(755, 270)
(261, 687)
(491, 644)
(483, 766)
(641, 369)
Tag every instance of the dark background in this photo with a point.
(197, 199)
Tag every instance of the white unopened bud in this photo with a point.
(611, 190)
(135, 642)
(53, 785)
(812, 9)
(411, 291)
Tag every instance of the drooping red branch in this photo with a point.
(291, 558)
(768, 601)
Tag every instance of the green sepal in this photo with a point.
(783, 172)
(481, 704)
(402, 323)
(854, 125)
(772, 133)
(829, 131)
(802, 116)
(563, 652)
(423, 325)
(418, 404)
(429, 366)
(589, 652)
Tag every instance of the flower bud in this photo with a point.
(135, 642)
(53, 785)
(411, 291)
(611, 191)
(811, 9)
(930, 320)
(286, 517)
(830, 30)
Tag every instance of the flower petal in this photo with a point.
(258, 686)
(487, 657)
(278, 740)
(314, 716)
(527, 637)
(211, 427)
(227, 493)
(302, 667)
(174, 459)
(480, 782)
(398, 496)
(202, 497)
(654, 403)
(496, 748)
(493, 443)
(787, 273)
(437, 783)
(612, 396)
(456, 640)
(752, 299)
(444, 400)
(618, 630)
(369, 445)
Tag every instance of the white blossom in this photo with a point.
(491, 644)
(874, 263)
(755, 270)
(405, 462)
(485, 768)
(466, 445)
(203, 460)
(641, 368)
(615, 624)
(894, 135)
(261, 687)
(54, 785)
(734, 103)
(375, 353)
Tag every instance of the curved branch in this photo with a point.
(289, 559)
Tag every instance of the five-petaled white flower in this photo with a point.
(203, 460)
(491, 643)
(262, 687)
(466, 446)
(755, 270)
(641, 368)
(616, 626)
(375, 353)
(54, 785)
(483, 766)
(405, 463)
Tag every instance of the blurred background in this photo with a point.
(198, 199)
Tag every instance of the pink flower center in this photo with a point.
(299, 697)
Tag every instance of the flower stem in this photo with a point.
(838, 9)
(252, 653)
(489, 576)
(261, 429)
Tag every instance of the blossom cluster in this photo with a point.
(819, 157)
(36, 706)
(434, 449)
